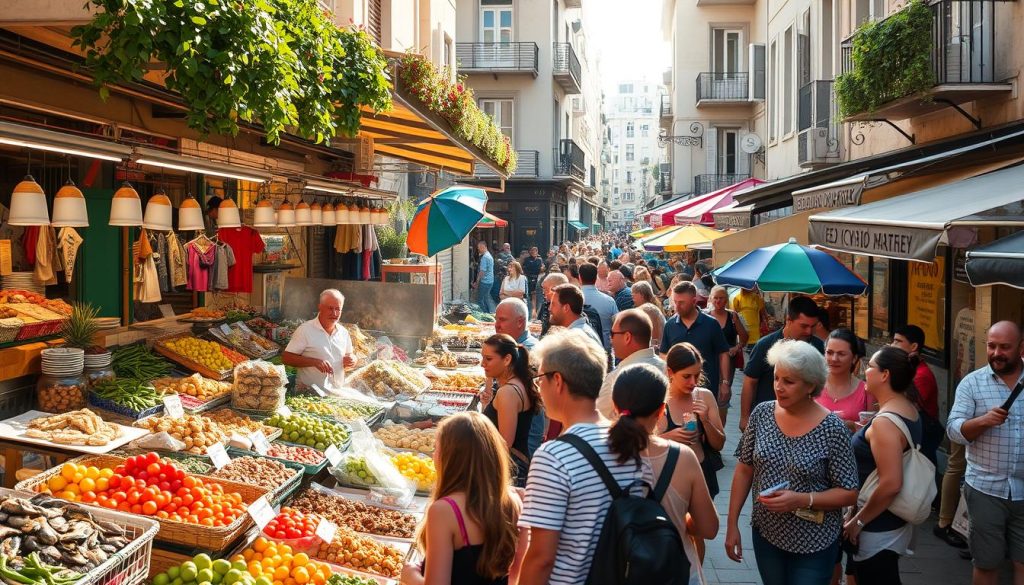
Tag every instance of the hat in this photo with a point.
(213, 203)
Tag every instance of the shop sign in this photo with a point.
(829, 198)
(926, 297)
(740, 220)
(529, 210)
(960, 266)
(898, 242)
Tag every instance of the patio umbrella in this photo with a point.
(490, 221)
(445, 218)
(791, 267)
(685, 238)
(641, 233)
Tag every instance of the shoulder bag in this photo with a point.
(914, 502)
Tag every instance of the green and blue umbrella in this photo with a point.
(791, 267)
(445, 218)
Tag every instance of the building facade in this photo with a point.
(634, 152)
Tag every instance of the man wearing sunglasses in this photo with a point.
(631, 342)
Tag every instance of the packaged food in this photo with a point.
(259, 386)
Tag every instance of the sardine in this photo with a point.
(11, 547)
(8, 531)
(46, 534)
(60, 524)
(19, 507)
(22, 522)
(50, 554)
(79, 533)
(108, 548)
(73, 559)
(109, 528)
(95, 556)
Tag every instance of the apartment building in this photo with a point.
(632, 132)
(531, 69)
(712, 117)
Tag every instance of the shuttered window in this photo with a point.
(375, 20)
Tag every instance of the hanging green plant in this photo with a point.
(891, 59)
(280, 63)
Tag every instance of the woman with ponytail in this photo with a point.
(691, 413)
(639, 397)
(515, 402)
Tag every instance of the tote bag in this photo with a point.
(914, 502)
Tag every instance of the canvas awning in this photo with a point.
(702, 212)
(911, 227)
(578, 225)
(998, 262)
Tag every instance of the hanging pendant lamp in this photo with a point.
(316, 213)
(227, 215)
(190, 216)
(28, 204)
(126, 207)
(303, 216)
(69, 209)
(328, 218)
(364, 214)
(341, 214)
(285, 215)
(159, 213)
(263, 217)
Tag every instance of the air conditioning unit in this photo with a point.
(817, 146)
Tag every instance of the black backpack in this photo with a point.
(595, 321)
(639, 544)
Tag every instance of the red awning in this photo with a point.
(701, 212)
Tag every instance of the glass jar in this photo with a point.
(94, 376)
(58, 394)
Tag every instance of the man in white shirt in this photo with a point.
(631, 342)
(321, 348)
(567, 310)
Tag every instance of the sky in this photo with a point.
(628, 37)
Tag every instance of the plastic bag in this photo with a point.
(161, 441)
(364, 465)
(386, 379)
(259, 386)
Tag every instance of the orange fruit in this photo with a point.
(301, 575)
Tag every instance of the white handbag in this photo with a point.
(914, 502)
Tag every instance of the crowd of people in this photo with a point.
(628, 389)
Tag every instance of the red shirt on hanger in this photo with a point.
(244, 242)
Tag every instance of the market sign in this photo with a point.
(841, 194)
(899, 242)
(926, 298)
(732, 219)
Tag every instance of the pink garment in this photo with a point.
(602, 284)
(199, 263)
(848, 408)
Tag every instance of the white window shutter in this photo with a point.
(711, 150)
(757, 76)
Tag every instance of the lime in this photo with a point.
(161, 579)
(205, 575)
(203, 561)
(221, 566)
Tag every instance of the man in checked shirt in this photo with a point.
(994, 438)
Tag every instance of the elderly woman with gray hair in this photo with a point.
(795, 457)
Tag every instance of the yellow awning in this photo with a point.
(689, 237)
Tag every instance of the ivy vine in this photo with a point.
(891, 59)
(280, 63)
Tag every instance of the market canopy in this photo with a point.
(791, 267)
(702, 212)
(578, 225)
(445, 218)
(911, 227)
(999, 262)
(685, 238)
(596, 226)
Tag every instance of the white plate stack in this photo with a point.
(22, 281)
(96, 361)
(63, 361)
(108, 322)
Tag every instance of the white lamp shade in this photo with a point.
(126, 207)
(69, 208)
(303, 216)
(316, 214)
(28, 204)
(364, 215)
(285, 215)
(328, 215)
(190, 216)
(159, 213)
(341, 214)
(264, 216)
(383, 216)
(227, 215)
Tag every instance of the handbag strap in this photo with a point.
(595, 461)
(898, 421)
(666, 473)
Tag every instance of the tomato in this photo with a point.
(114, 482)
(154, 469)
(120, 470)
(175, 485)
(152, 457)
(149, 508)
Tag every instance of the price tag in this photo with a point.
(326, 530)
(218, 455)
(284, 410)
(320, 391)
(172, 404)
(225, 328)
(259, 442)
(244, 327)
(333, 455)
(261, 512)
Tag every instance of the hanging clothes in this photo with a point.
(68, 242)
(245, 242)
(221, 267)
(201, 253)
(47, 260)
(29, 241)
(158, 242)
(147, 279)
(176, 259)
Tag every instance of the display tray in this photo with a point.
(159, 346)
(201, 320)
(193, 405)
(264, 354)
(308, 468)
(362, 496)
(123, 411)
(14, 429)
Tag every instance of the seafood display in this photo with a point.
(79, 427)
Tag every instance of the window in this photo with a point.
(625, 88)
(616, 175)
(628, 104)
(645, 130)
(629, 177)
(616, 191)
(629, 153)
(787, 82)
(827, 42)
(628, 196)
(725, 50)
(728, 141)
(630, 131)
(496, 21)
(773, 98)
(501, 111)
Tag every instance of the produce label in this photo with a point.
(320, 391)
(261, 512)
(172, 404)
(218, 455)
(259, 442)
(243, 327)
(326, 530)
(284, 411)
(226, 329)
(333, 455)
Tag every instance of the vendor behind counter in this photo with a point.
(321, 348)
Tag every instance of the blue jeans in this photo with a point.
(779, 567)
(484, 298)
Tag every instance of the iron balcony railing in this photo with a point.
(707, 183)
(497, 57)
(527, 167)
(723, 86)
(963, 45)
(570, 160)
(566, 67)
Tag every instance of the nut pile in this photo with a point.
(304, 455)
(349, 549)
(258, 386)
(196, 432)
(195, 385)
(232, 422)
(60, 397)
(403, 437)
(265, 473)
(356, 515)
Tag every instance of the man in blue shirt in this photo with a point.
(619, 289)
(704, 332)
(484, 279)
(604, 305)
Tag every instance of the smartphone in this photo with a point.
(773, 489)
(690, 426)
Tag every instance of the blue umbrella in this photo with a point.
(445, 218)
(791, 267)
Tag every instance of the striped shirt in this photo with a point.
(995, 459)
(565, 494)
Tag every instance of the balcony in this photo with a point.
(570, 161)
(566, 68)
(529, 162)
(963, 56)
(477, 58)
(707, 183)
(723, 89)
(818, 142)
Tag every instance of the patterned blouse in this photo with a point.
(817, 461)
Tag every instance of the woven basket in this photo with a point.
(160, 560)
(213, 539)
(9, 329)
